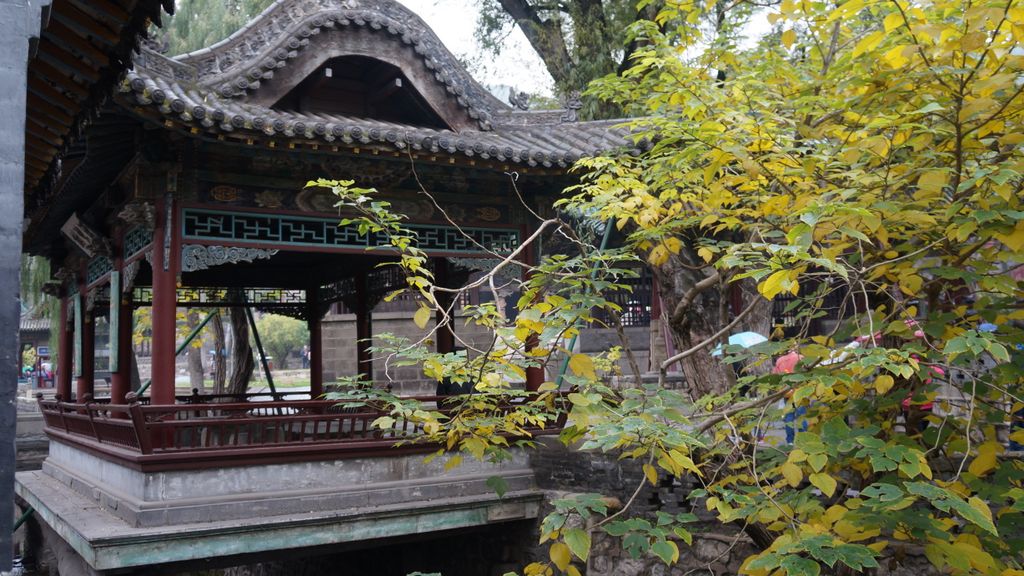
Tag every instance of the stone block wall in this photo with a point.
(339, 341)
(717, 550)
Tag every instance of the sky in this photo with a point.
(454, 22)
(518, 66)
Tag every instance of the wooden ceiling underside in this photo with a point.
(83, 49)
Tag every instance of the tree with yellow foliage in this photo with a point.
(864, 162)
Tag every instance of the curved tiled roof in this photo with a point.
(279, 35)
(205, 92)
(543, 144)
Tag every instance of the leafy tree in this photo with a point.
(35, 273)
(281, 336)
(864, 163)
(867, 155)
(28, 357)
(582, 40)
(577, 40)
(200, 23)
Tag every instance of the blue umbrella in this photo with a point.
(744, 339)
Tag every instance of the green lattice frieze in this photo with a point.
(136, 240)
(287, 230)
(97, 268)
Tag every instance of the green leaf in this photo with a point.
(800, 566)
(498, 484)
(579, 542)
(666, 550)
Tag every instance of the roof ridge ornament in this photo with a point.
(573, 103)
(519, 99)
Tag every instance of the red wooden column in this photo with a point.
(445, 334)
(165, 262)
(121, 379)
(120, 303)
(534, 374)
(316, 347)
(364, 328)
(66, 350)
(87, 371)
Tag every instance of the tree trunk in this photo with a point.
(220, 368)
(241, 353)
(695, 307)
(195, 354)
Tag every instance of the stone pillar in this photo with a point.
(364, 327)
(18, 21)
(65, 350)
(164, 261)
(316, 348)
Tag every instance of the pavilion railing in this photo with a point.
(205, 429)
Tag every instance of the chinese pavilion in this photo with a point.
(188, 190)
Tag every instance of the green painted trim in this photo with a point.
(362, 243)
(115, 319)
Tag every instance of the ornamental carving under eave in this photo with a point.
(138, 213)
(199, 257)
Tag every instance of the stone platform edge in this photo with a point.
(106, 542)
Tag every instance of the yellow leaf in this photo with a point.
(878, 546)
(893, 21)
(868, 43)
(884, 383)
(788, 37)
(823, 482)
(834, 514)
(572, 571)
(421, 317)
(560, 555)
(780, 281)
(986, 459)
(651, 474)
(582, 365)
(1014, 240)
(932, 181)
(793, 474)
(979, 505)
(895, 57)
(659, 255)
(705, 253)
(817, 461)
